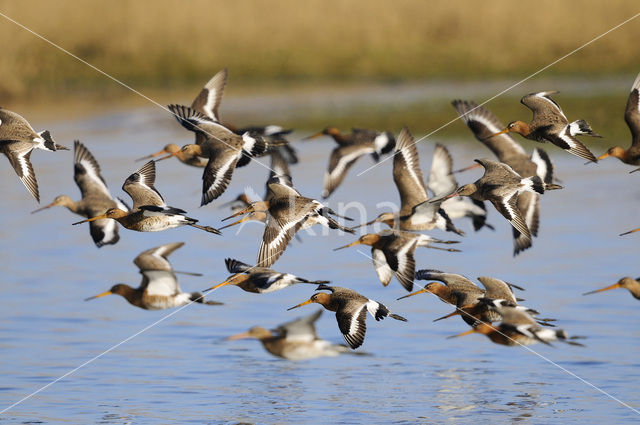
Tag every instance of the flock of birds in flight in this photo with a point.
(512, 184)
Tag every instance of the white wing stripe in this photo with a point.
(220, 173)
(354, 326)
(93, 175)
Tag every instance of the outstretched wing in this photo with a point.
(139, 186)
(209, 98)
(156, 258)
(565, 140)
(441, 181)
(352, 324)
(542, 105)
(87, 172)
(341, 160)
(509, 209)
(484, 124)
(20, 160)
(276, 237)
(407, 174)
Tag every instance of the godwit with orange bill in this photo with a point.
(149, 212)
(457, 289)
(259, 280)
(472, 303)
(225, 149)
(484, 126)
(500, 185)
(630, 156)
(350, 148)
(442, 182)
(96, 198)
(392, 252)
(549, 124)
(186, 155)
(518, 328)
(630, 284)
(207, 103)
(287, 212)
(159, 288)
(416, 212)
(17, 140)
(279, 173)
(351, 311)
(296, 340)
(257, 210)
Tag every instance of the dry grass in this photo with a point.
(169, 43)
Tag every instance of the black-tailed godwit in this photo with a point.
(351, 311)
(259, 280)
(350, 148)
(17, 140)
(549, 124)
(159, 288)
(416, 212)
(149, 212)
(484, 126)
(295, 340)
(96, 198)
(630, 156)
(392, 253)
(630, 284)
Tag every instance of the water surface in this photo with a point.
(181, 370)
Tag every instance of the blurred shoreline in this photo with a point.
(421, 105)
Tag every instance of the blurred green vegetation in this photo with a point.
(604, 113)
(170, 44)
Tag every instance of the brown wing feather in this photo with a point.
(21, 163)
(208, 100)
(407, 174)
(139, 186)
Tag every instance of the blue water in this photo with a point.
(181, 369)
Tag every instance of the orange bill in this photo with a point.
(614, 286)
(242, 220)
(53, 204)
(423, 290)
(455, 313)
(153, 155)
(349, 245)
(104, 294)
(506, 130)
(313, 136)
(469, 332)
(168, 156)
(219, 285)
(243, 335)
(630, 231)
(300, 305)
(90, 219)
(470, 167)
